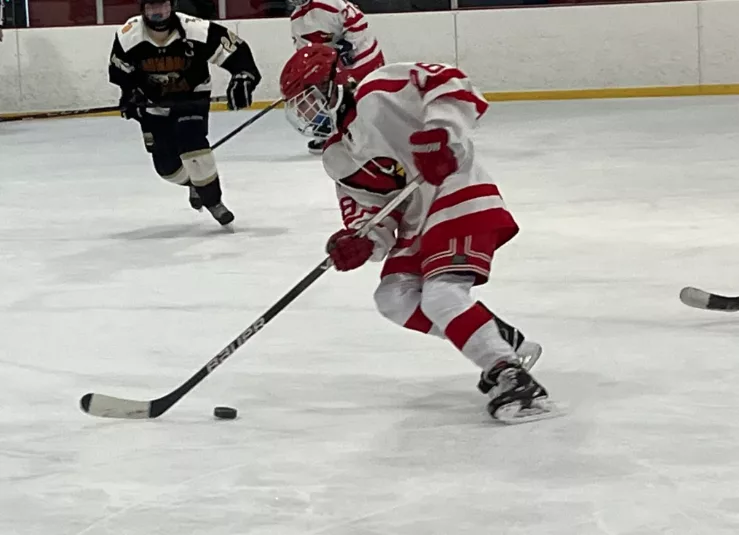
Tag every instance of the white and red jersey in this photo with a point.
(330, 22)
(370, 157)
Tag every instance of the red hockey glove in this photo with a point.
(432, 155)
(349, 251)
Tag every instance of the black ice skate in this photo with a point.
(195, 201)
(221, 214)
(516, 396)
(315, 146)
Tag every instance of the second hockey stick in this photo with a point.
(697, 298)
(85, 111)
(246, 123)
(113, 407)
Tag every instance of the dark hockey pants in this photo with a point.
(183, 133)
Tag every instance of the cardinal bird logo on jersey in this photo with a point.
(379, 175)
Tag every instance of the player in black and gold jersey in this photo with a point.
(160, 61)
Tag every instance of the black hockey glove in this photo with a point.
(133, 104)
(239, 90)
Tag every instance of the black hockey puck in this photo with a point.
(224, 413)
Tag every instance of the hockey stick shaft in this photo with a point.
(246, 123)
(85, 111)
(107, 406)
(53, 114)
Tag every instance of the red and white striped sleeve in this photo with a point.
(315, 23)
(436, 81)
(354, 24)
(449, 101)
(365, 47)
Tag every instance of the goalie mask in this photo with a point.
(311, 94)
(158, 15)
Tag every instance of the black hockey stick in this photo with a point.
(246, 123)
(86, 111)
(697, 298)
(112, 407)
(54, 114)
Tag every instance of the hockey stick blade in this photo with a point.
(110, 407)
(113, 407)
(697, 298)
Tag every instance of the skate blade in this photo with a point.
(513, 414)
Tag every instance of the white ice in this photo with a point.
(349, 425)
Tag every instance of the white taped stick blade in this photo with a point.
(111, 407)
(693, 297)
(709, 301)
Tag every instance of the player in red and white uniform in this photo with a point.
(342, 26)
(406, 120)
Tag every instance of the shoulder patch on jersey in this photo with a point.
(195, 29)
(131, 33)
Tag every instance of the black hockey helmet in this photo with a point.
(161, 16)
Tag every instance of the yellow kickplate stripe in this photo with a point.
(616, 92)
(501, 96)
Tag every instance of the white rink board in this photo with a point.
(9, 73)
(581, 47)
(65, 68)
(429, 37)
(271, 44)
(720, 42)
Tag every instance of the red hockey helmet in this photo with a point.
(309, 66)
(306, 84)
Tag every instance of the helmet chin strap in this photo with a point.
(160, 26)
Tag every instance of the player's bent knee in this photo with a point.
(385, 301)
(397, 296)
(179, 177)
(170, 168)
(446, 295)
(201, 166)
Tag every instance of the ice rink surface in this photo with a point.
(349, 425)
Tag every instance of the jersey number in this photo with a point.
(419, 77)
(350, 11)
